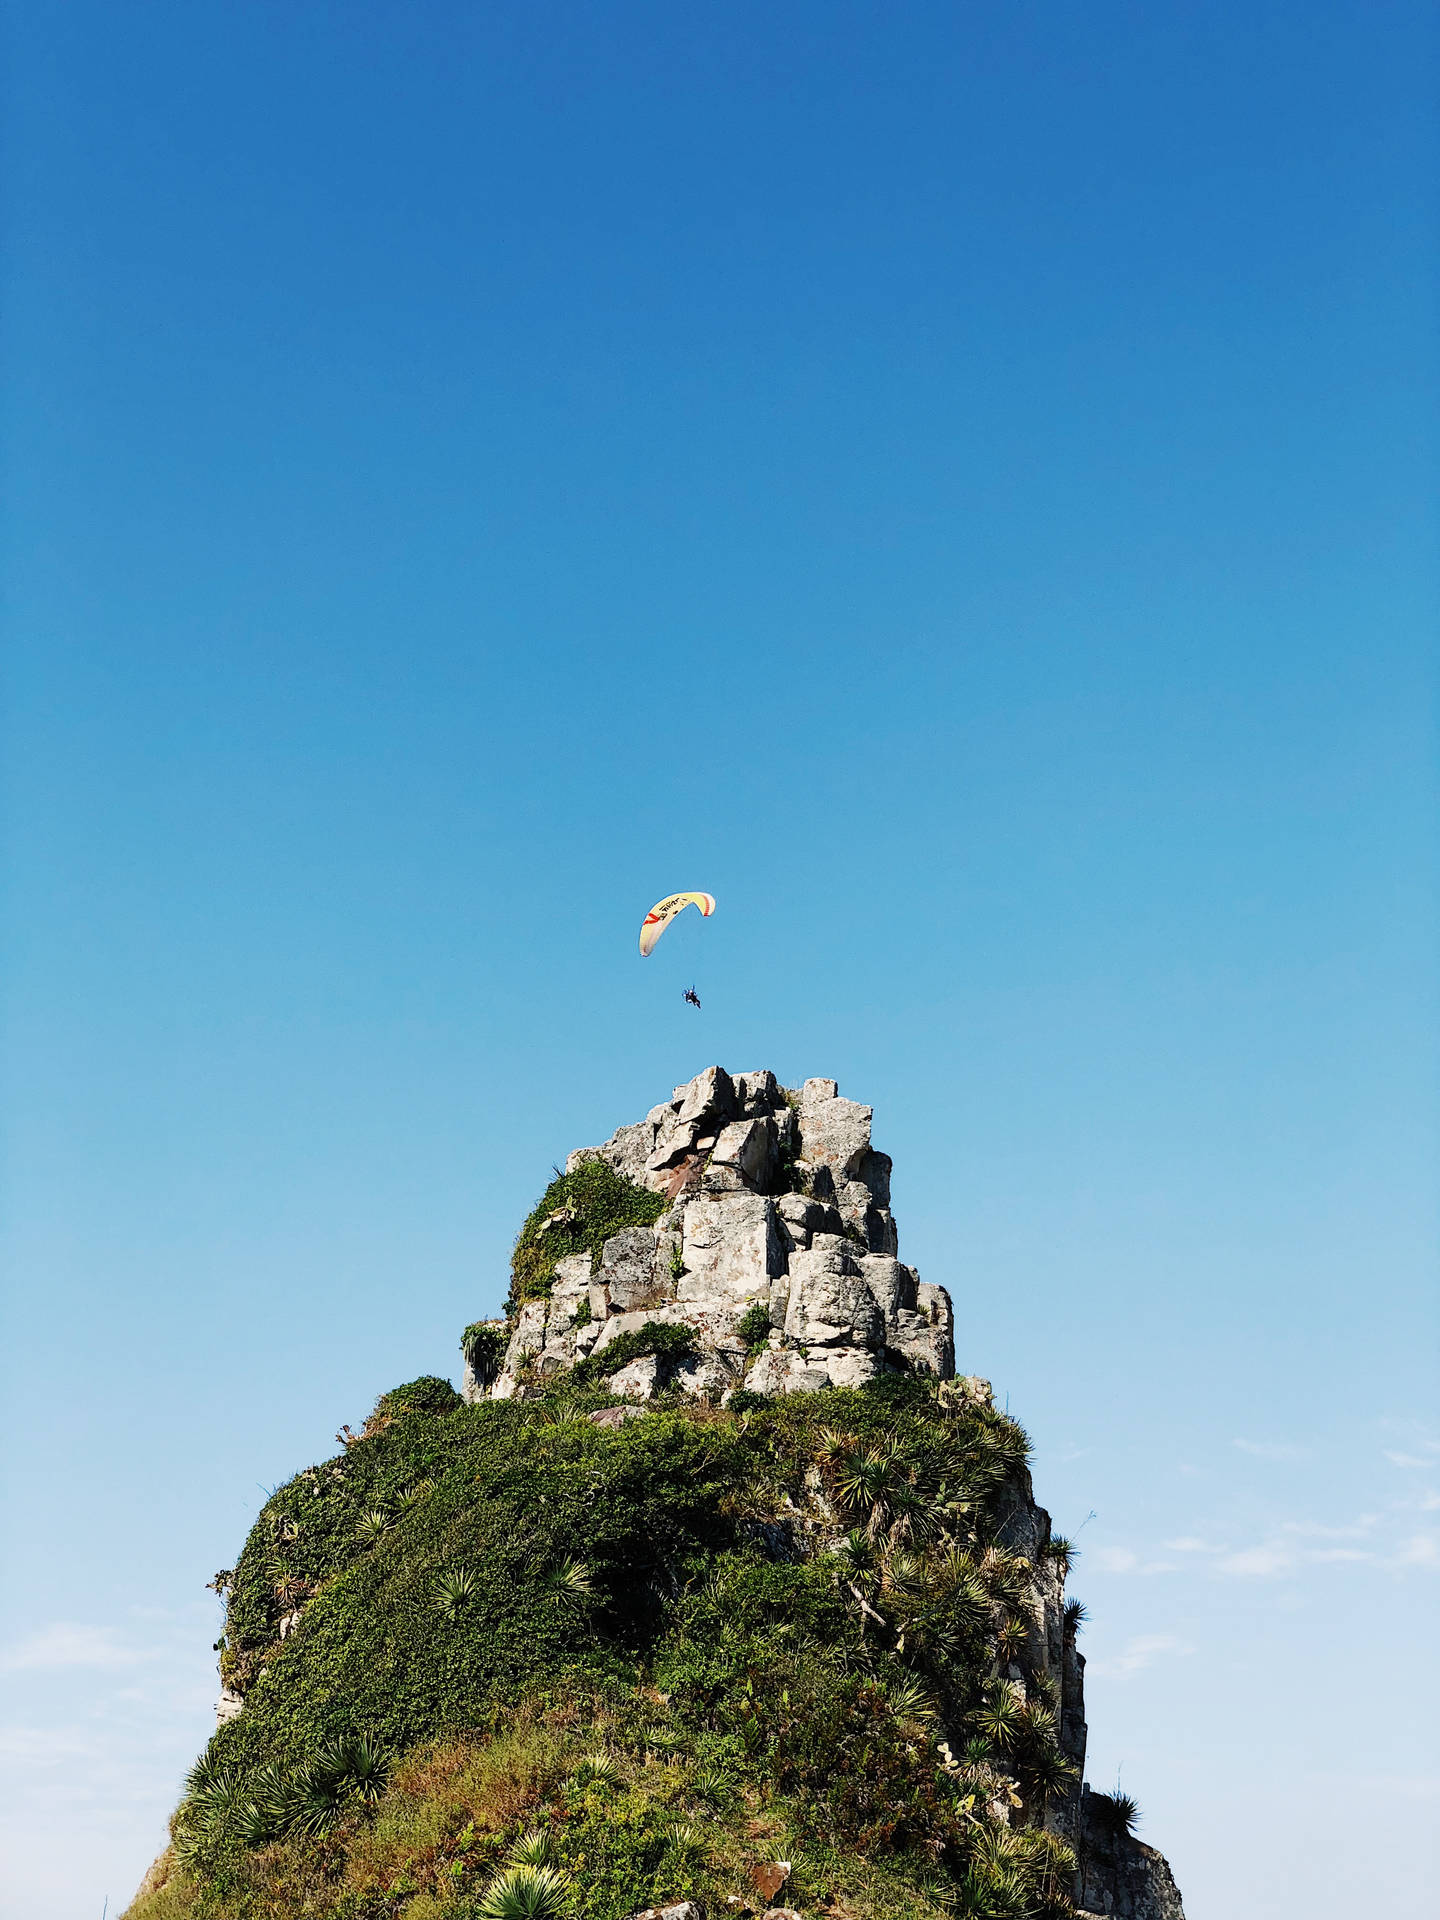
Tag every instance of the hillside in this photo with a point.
(717, 1592)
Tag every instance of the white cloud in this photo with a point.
(1271, 1449)
(1138, 1654)
(1259, 1563)
(1190, 1543)
(1125, 1560)
(46, 1745)
(1405, 1459)
(1315, 1530)
(1420, 1550)
(68, 1643)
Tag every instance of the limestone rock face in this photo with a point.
(778, 1200)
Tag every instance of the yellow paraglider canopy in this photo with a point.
(664, 911)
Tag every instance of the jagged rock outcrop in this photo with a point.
(1119, 1876)
(777, 1201)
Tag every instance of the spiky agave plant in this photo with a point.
(359, 1766)
(997, 1718)
(1045, 1771)
(906, 1573)
(958, 1582)
(569, 1583)
(1074, 1616)
(526, 1893)
(1061, 1552)
(910, 1702)
(455, 1590)
(412, 1495)
(251, 1824)
(316, 1799)
(275, 1795)
(1008, 1578)
(533, 1849)
(206, 1773)
(210, 1810)
(599, 1767)
(870, 1483)
(1012, 1637)
(856, 1553)
(1116, 1810)
(686, 1844)
(373, 1525)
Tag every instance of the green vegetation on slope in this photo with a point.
(577, 1213)
(647, 1657)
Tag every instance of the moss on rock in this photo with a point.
(577, 1213)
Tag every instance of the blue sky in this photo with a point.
(955, 481)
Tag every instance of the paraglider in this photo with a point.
(692, 996)
(664, 911)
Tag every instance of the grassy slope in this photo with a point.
(494, 1595)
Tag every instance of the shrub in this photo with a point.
(483, 1344)
(670, 1344)
(577, 1213)
(744, 1400)
(428, 1394)
(755, 1326)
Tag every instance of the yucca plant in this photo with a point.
(909, 1701)
(275, 1796)
(1074, 1617)
(997, 1719)
(533, 1849)
(868, 1483)
(251, 1825)
(1116, 1810)
(856, 1552)
(1061, 1551)
(1012, 1637)
(526, 1893)
(906, 1573)
(957, 1580)
(455, 1590)
(596, 1766)
(357, 1765)
(207, 1772)
(1007, 1578)
(685, 1842)
(569, 1583)
(412, 1495)
(315, 1802)
(373, 1525)
(1045, 1770)
(712, 1785)
(1046, 1689)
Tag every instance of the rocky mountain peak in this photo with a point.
(774, 1250)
